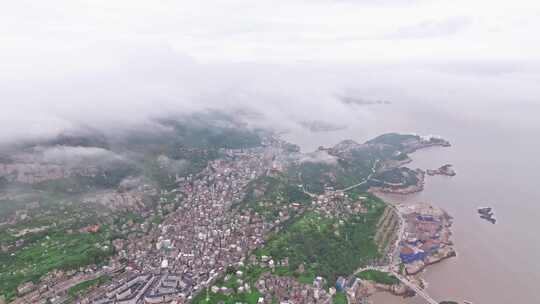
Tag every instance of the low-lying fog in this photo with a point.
(289, 65)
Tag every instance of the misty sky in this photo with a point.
(116, 63)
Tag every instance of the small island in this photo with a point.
(446, 170)
(487, 214)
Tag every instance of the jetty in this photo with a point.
(420, 292)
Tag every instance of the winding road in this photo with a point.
(394, 257)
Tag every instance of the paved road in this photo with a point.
(416, 289)
(367, 179)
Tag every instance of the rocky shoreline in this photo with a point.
(446, 170)
(400, 189)
(397, 289)
(431, 261)
(404, 189)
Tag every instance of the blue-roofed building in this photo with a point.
(408, 255)
(425, 218)
(341, 283)
(413, 241)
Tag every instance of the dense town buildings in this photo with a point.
(199, 240)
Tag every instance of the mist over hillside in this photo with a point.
(120, 92)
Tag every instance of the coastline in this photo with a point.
(410, 265)
(452, 253)
(414, 270)
(400, 189)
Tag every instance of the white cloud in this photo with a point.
(76, 155)
(431, 29)
(284, 31)
(115, 63)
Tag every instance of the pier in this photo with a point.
(416, 289)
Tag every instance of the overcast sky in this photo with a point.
(118, 62)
